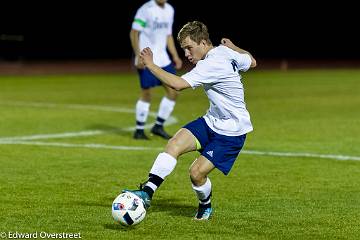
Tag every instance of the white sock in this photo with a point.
(165, 109)
(163, 165)
(151, 185)
(142, 112)
(203, 192)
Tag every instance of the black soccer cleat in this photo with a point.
(140, 135)
(159, 130)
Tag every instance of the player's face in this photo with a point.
(193, 51)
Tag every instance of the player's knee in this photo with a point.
(173, 98)
(173, 147)
(197, 178)
(146, 95)
(172, 94)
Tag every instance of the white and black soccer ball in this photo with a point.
(128, 209)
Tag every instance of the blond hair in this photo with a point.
(196, 30)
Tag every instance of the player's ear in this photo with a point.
(203, 42)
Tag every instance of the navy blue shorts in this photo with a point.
(148, 80)
(221, 150)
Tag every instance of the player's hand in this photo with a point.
(227, 42)
(178, 63)
(146, 56)
(138, 63)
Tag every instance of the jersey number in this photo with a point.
(235, 65)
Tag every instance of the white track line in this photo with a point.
(134, 148)
(87, 145)
(55, 135)
(171, 120)
(68, 106)
(27, 140)
(307, 155)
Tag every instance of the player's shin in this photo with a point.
(162, 167)
(142, 112)
(165, 109)
(203, 193)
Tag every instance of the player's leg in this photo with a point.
(187, 139)
(142, 113)
(147, 81)
(221, 153)
(166, 107)
(201, 185)
(183, 141)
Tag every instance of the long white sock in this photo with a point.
(142, 112)
(165, 109)
(203, 192)
(164, 164)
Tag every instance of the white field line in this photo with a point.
(171, 120)
(75, 145)
(28, 140)
(307, 155)
(51, 136)
(134, 148)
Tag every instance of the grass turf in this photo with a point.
(70, 189)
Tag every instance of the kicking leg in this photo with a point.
(183, 141)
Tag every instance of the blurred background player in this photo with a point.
(220, 134)
(152, 27)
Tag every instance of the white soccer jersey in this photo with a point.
(155, 24)
(219, 74)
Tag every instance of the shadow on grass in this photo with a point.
(90, 204)
(173, 207)
(105, 202)
(119, 227)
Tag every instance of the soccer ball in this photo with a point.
(128, 209)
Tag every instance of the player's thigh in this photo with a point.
(182, 142)
(147, 79)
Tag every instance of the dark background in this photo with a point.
(100, 30)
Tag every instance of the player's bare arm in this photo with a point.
(173, 81)
(228, 43)
(172, 49)
(134, 39)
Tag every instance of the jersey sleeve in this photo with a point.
(199, 75)
(243, 61)
(140, 19)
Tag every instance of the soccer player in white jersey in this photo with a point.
(220, 134)
(152, 27)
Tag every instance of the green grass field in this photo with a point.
(66, 151)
